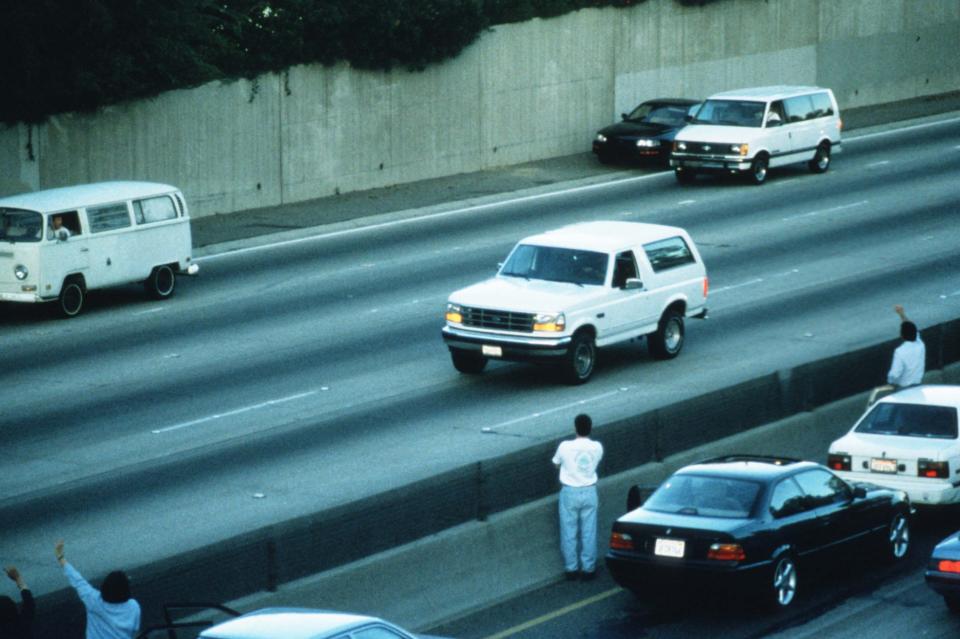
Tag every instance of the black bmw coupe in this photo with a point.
(754, 522)
(646, 133)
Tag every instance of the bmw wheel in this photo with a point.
(784, 582)
(898, 538)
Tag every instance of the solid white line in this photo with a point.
(150, 310)
(685, 202)
(550, 616)
(231, 413)
(714, 291)
(880, 163)
(511, 202)
(830, 210)
(488, 429)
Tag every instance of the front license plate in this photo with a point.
(883, 465)
(669, 547)
(491, 351)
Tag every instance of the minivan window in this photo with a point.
(822, 105)
(668, 253)
(108, 218)
(20, 226)
(910, 420)
(731, 113)
(154, 209)
(799, 108)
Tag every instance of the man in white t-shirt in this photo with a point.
(577, 460)
(909, 360)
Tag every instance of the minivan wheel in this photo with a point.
(784, 581)
(667, 342)
(161, 283)
(821, 159)
(71, 298)
(897, 542)
(581, 358)
(469, 362)
(758, 169)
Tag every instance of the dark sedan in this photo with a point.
(751, 521)
(943, 571)
(646, 133)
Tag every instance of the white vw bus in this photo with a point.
(56, 245)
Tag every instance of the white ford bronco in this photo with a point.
(749, 131)
(563, 293)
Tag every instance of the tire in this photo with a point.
(896, 542)
(821, 159)
(72, 297)
(468, 362)
(580, 359)
(685, 176)
(783, 582)
(953, 603)
(162, 282)
(667, 342)
(605, 158)
(758, 169)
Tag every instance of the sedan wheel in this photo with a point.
(898, 537)
(784, 581)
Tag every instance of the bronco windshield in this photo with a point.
(705, 496)
(17, 225)
(731, 113)
(556, 265)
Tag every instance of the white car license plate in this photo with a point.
(883, 465)
(491, 351)
(669, 547)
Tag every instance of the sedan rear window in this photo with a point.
(910, 420)
(705, 496)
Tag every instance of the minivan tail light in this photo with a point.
(706, 286)
(726, 552)
(933, 469)
(838, 461)
(621, 541)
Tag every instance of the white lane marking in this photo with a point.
(685, 202)
(714, 291)
(953, 294)
(510, 422)
(880, 163)
(156, 309)
(510, 202)
(231, 413)
(830, 210)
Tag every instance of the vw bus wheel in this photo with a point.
(162, 282)
(71, 298)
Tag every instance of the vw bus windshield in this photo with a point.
(17, 225)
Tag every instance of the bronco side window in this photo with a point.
(624, 268)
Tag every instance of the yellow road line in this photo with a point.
(556, 613)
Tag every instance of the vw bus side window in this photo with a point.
(154, 209)
(20, 226)
(108, 218)
(63, 225)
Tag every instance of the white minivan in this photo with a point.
(57, 244)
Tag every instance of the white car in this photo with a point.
(749, 131)
(304, 623)
(562, 294)
(907, 440)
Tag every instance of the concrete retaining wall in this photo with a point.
(492, 489)
(521, 92)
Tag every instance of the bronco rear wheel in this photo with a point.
(667, 342)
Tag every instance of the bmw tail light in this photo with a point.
(945, 565)
(726, 552)
(933, 469)
(838, 461)
(621, 541)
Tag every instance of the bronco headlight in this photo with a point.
(647, 144)
(601, 137)
(549, 322)
(454, 314)
(21, 272)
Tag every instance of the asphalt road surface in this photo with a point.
(293, 377)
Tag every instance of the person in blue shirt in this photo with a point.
(111, 612)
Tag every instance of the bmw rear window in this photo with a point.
(910, 420)
(705, 496)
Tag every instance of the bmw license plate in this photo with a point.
(669, 547)
(491, 351)
(883, 466)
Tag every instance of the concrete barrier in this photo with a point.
(490, 527)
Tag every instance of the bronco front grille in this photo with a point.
(498, 320)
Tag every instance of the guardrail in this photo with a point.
(289, 550)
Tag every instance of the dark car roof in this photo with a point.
(754, 467)
(684, 101)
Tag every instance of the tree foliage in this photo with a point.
(83, 54)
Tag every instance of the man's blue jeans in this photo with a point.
(578, 514)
